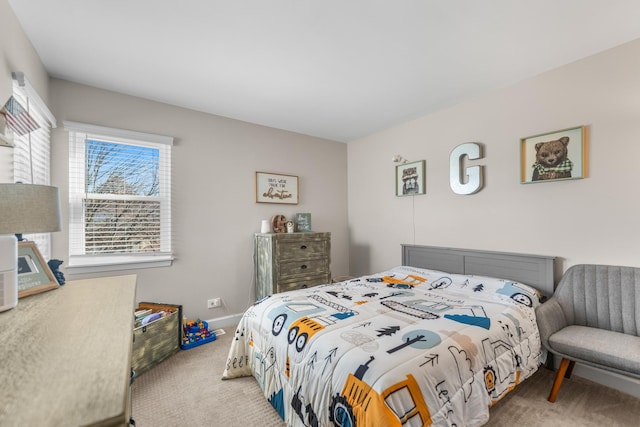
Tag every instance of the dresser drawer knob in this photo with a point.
(303, 247)
(303, 267)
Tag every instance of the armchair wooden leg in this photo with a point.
(559, 377)
(570, 369)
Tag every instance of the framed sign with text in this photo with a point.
(276, 188)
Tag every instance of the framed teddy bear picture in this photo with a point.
(554, 156)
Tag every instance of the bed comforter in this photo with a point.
(406, 347)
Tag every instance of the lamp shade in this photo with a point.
(29, 208)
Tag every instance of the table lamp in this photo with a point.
(24, 208)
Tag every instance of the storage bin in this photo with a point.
(155, 341)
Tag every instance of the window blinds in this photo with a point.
(120, 195)
(31, 123)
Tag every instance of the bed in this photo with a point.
(435, 341)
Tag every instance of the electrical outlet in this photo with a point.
(214, 302)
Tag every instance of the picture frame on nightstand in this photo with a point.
(34, 275)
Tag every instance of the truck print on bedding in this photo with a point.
(405, 347)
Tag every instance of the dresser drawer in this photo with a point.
(303, 282)
(288, 261)
(305, 267)
(301, 249)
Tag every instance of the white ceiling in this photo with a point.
(337, 69)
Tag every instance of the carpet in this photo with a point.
(186, 390)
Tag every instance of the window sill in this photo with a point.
(97, 264)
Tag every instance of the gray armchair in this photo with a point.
(593, 318)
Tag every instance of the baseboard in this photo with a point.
(225, 321)
(626, 385)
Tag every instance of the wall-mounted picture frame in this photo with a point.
(34, 275)
(411, 178)
(554, 156)
(276, 188)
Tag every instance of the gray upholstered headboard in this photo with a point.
(532, 270)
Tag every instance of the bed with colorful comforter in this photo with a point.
(406, 346)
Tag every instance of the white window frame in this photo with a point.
(79, 261)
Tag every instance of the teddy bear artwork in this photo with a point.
(551, 160)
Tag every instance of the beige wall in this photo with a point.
(594, 220)
(215, 214)
(17, 55)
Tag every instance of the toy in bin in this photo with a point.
(195, 333)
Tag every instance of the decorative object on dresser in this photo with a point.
(303, 222)
(290, 261)
(276, 188)
(279, 224)
(291, 227)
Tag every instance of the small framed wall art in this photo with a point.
(276, 188)
(554, 156)
(410, 179)
(34, 275)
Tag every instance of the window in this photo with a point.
(119, 197)
(30, 121)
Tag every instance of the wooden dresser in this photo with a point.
(66, 355)
(288, 261)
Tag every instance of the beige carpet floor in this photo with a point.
(186, 390)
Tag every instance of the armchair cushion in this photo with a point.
(599, 347)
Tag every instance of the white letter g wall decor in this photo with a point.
(474, 180)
